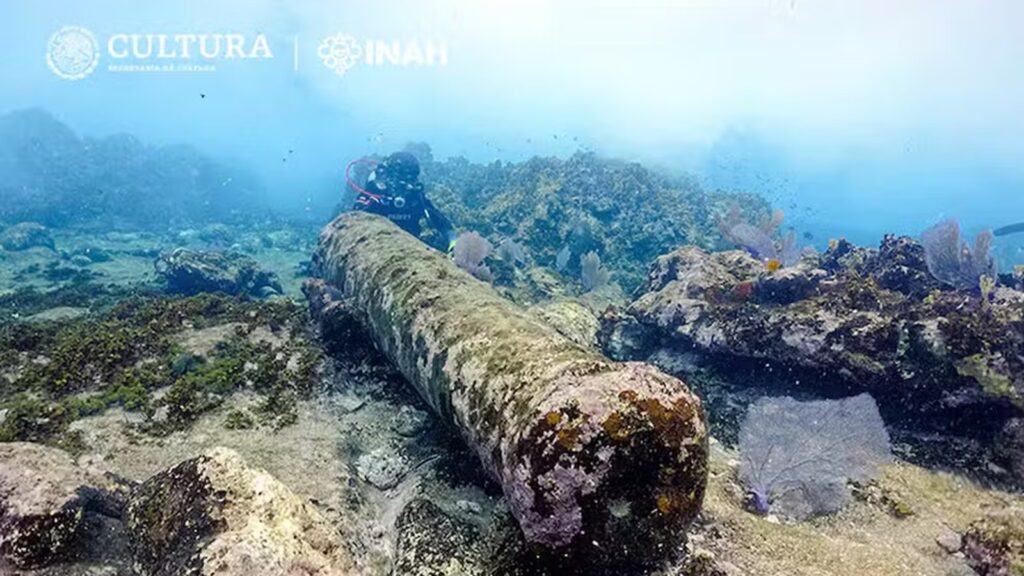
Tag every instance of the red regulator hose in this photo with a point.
(352, 183)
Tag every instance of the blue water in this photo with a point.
(857, 118)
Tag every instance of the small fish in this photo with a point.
(772, 265)
(201, 95)
(1011, 229)
(808, 236)
(833, 243)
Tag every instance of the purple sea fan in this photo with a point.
(513, 252)
(798, 456)
(471, 249)
(950, 260)
(754, 240)
(592, 274)
(759, 240)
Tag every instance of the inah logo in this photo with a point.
(339, 52)
(72, 53)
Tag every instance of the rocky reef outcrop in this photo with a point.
(56, 177)
(215, 515)
(24, 236)
(192, 272)
(48, 504)
(592, 455)
(432, 542)
(994, 545)
(211, 514)
(624, 212)
(939, 361)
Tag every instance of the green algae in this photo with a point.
(56, 373)
(625, 213)
(239, 419)
(992, 382)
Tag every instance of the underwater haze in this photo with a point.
(858, 117)
(512, 288)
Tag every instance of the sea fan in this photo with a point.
(471, 249)
(513, 252)
(593, 274)
(950, 260)
(758, 240)
(562, 259)
(753, 240)
(798, 456)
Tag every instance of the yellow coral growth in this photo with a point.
(664, 504)
(553, 418)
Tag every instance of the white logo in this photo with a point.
(339, 52)
(72, 53)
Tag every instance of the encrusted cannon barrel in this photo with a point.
(590, 453)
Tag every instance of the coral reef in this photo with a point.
(340, 468)
(445, 520)
(623, 211)
(586, 450)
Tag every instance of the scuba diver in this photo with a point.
(393, 190)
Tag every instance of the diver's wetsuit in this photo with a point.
(393, 190)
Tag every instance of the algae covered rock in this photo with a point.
(215, 515)
(44, 499)
(994, 545)
(1011, 445)
(853, 320)
(599, 459)
(790, 284)
(40, 508)
(191, 272)
(585, 203)
(433, 543)
(24, 236)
